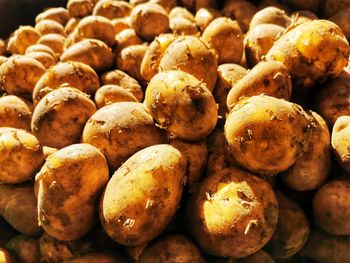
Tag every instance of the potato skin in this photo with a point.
(21, 39)
(181, 104)
(182, 26)
(232, 207)
(79, 8)
(270, 15)
(112, 9)
(312, 52)
(45, 27)
(166, 4)
(64, 111)
(160, 172)
(121, 129)
(44, 58)
(204, 16)
(126, 38)
(266, 135)
(26, 248)
(58, 14)
(15, 112)
(71, 25)
(120, 24)
(54, 41)
(79, 170)
(40, 48)
(181, 12)
(109, 94)
(340, 141)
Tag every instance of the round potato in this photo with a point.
(182, 26)
(341, 142)
(45, 27)
(80, 8)
(109, 94)
(27, 249)
(58, 14)
(261, 256)
(21, 39)
(160, 173)
(126, 38)
(40, 48)
(112, 9)
(116, 130)
(232, 207)
(43, 57)
(54, 41)
(342, 19)
(270, 15)
(64, 111)
(205, 16)
(15, 112)
(182, 105)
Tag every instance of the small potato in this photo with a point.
(75, 74)
(80, 8)
(21, 39)
(40, 48)
(191, 55)
(342, 19)
(92, 52)
(266, 135)
(95, 258)
(259, 41)
(15, 112)
(181, 12)
(27, 249)
(149, 20)
(126, 38)
(109, 94)
(205, 16)
(58, 14)
(232, 207)
(166, 4)
(270, 15)
(18, 206)
(182, 105)
(120, 78)
(312, 168)
(71, 25)
(160, 173)
(6, 256)
(170, 248)
(45, 27)
(182, 26)
(54, 41)
(64, 111)
(261, 256)
(222, 33)
(312, 52)
(121, 129)
(80, 170)
(341, 141)
(112, 9)
(120, 24)
(44, 58)
(270, 78)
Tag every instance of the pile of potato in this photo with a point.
(167, 131)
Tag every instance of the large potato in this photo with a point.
(143, 195)
(58, 14)
(27, 249)
(80, 8)
(181, 104)
(109, 94)
(232, 207)
(45, 27)
(59, 118)
(15, 112)
(112, 9)
(21, 39)
(341, 141)
(270, 15)
(68, 188)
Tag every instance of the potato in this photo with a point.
(153, 55)
(166, 4)
(222, 33)
(149, 20)
(181, 104)
(261, 256)
(75, 74)
(182, 26)
(43, 57)
(126, 38)
(312, 168)
(130, 59)
(68, 188)
(120, 78)
(92, 52)
(121, 129)
(80, 8)
(312, 52)
(71, 25)
(40, 48)
(160, 173)
(270, 15)
(112, 9)
(54, 41)
(342, 19)
(205, 16)
(191, 55)
(340, 141)
(18, 206)
(172, 248)
(232, 207)
(181, 12)
(27, 249)
(65, 111)
(58, 14)
(120, 24)
(259, 41)
(96, 258)
(6, 257)
(45, 27)
(228, 76)
(14, 112)
(109, 94)
(266, 135)
(21, 39)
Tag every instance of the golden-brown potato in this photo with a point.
(15, 112)
(160, 173)
(96, 258)
(80, 8)
(6, 256)
(54, 41)
(341, 141)
(64, 111)
(75, 74)
(120, 24)
(270, 78)
(170, 248)
(126, 38)
(58, 14)
(204, 16)
(71, 25)
(43, 57)
(222, 33)
(266, 135)
(191, 55)
(48, 151)
(149, 20)
(18, 206)
(27, 249)
(121, 129)
(270, 15)
(48, 26)
(259, 41)
(182, 105)
(312, 52)
(181, 12)
(40, 48)
(166, 4)
(232, 207)
(261, 256)
(112, 9)
(342, 19)
(79, 170)
(21, 39)
(92, 52)
(182, 26)
(109, 94)
(312, 168)
(120, 78)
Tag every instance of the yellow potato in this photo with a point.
(15, 112)
(58, 14)
(109, 94)
(112, 9)
(341, 142)
(270, 15)
(45, 27)
(21, 39)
